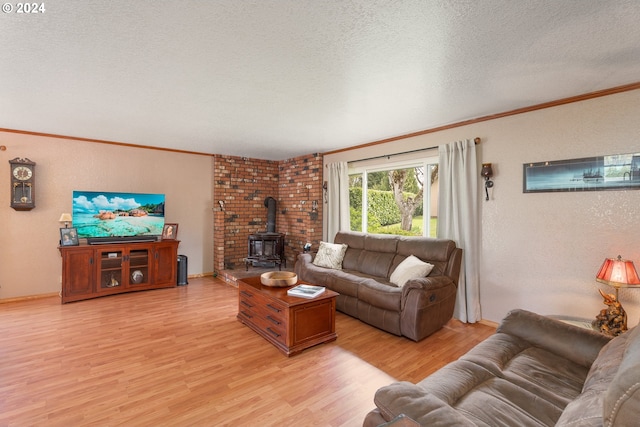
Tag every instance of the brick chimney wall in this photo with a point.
(300, 185)
(242, 184)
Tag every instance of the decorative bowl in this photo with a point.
(137, 276)
(279, 279)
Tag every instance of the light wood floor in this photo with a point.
(179, 357)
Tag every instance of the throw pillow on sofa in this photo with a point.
(330, 255)
(411, 268)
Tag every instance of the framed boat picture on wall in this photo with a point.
(612, 172)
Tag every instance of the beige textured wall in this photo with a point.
(30, 263)
(541, 251)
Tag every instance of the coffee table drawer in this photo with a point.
(272, 328)
(262, 306)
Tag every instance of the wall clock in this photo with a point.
(23, 179)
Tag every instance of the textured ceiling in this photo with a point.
(277, 79)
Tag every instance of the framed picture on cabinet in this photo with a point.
(69, 237)
(170, 231)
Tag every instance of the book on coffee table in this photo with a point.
(305, 291)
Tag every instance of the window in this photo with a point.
(400, 198)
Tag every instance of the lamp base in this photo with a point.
(613, 319)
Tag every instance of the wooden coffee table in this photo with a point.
(292, 324)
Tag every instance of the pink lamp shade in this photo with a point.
(619, 273)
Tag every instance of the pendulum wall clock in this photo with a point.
(23, 180)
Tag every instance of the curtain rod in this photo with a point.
(476, 140)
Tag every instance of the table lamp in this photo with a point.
(617, 273)
(66, 218)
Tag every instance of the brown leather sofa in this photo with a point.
(534, 371)
(415, 310)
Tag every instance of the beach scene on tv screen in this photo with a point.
(107, 214)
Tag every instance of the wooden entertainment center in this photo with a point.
(91, 271)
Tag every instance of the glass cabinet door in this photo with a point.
(139, 267)
(110, 269)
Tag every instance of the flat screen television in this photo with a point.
(103, 217)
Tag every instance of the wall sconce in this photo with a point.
(487, 173)
(66, 218)
(325, 187)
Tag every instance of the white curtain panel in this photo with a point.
(337, 212)
(458, 220)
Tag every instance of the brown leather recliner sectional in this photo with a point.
(534, 371)
(415, 310)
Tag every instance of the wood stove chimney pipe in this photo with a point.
(270, 203)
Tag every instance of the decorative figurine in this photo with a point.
(113, 282)
(613, 319)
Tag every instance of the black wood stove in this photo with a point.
(266, 249)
